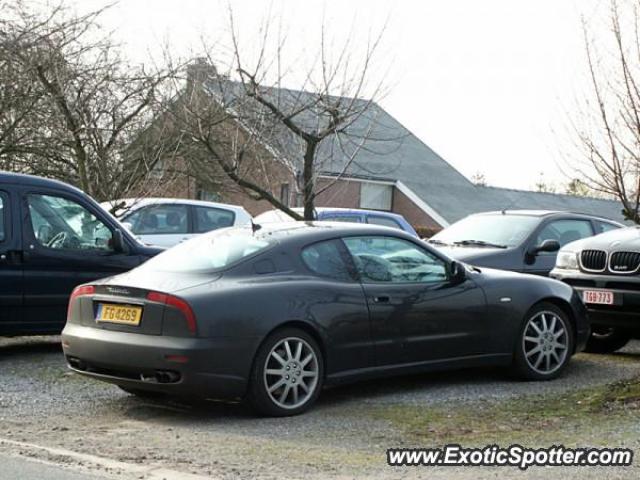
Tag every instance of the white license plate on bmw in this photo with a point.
(600, 297)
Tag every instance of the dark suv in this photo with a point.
(519, 240)
(52, 238)
(606, 271)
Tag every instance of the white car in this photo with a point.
(165, 222)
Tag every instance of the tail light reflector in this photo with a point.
(178, 303)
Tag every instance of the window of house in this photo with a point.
(284, 194)
(208, 219)
(376, 196)
(325, 259)
(207, 196)
(60, 223)
(382, 259)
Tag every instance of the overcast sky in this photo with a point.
(486, 84)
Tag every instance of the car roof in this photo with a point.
(333, 209)
(136, 203)
(544, 213)
(318, 231)
(35, 181)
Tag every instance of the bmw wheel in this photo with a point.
(545, 343)
(287, 374)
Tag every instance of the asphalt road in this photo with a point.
(20, 468)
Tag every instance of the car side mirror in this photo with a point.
(117, 241)
(548, 245)
(128, 225)
(457, 272)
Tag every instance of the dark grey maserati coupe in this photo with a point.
(273, 314)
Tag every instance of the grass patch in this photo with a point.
(524, 419)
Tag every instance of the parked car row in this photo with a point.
(272, 311)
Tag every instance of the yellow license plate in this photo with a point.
(123, 314)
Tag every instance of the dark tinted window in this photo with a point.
(565, 231)
(159, 220)
(602, 227)
(208, 219)
(384, 221)
(394, 260)
(325, 259)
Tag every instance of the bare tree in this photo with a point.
(250, 128)
(542, 185)
(76, 106)
(479, 178)
(607, 125)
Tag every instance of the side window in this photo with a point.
(159, 220)
(325, 259)
(384, 221)
(394, 260)
(565, 231)
(340, 218)
(602, 227)
(63, 224)
(208, 219)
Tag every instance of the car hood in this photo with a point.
(167, 282)
(621, 239)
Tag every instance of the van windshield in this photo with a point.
(211, 251)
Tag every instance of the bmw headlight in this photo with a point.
(567, 260)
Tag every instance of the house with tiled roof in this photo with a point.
(387, 168)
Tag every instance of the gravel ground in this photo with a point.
(345, 436)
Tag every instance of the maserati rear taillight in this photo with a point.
(79, 292)
(177, 303)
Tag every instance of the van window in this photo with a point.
(63, 224)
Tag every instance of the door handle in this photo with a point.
(381, 299)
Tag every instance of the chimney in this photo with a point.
(198, 72)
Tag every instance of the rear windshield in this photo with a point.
(211, 251)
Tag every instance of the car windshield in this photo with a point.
(488, 230)
(212, 251)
